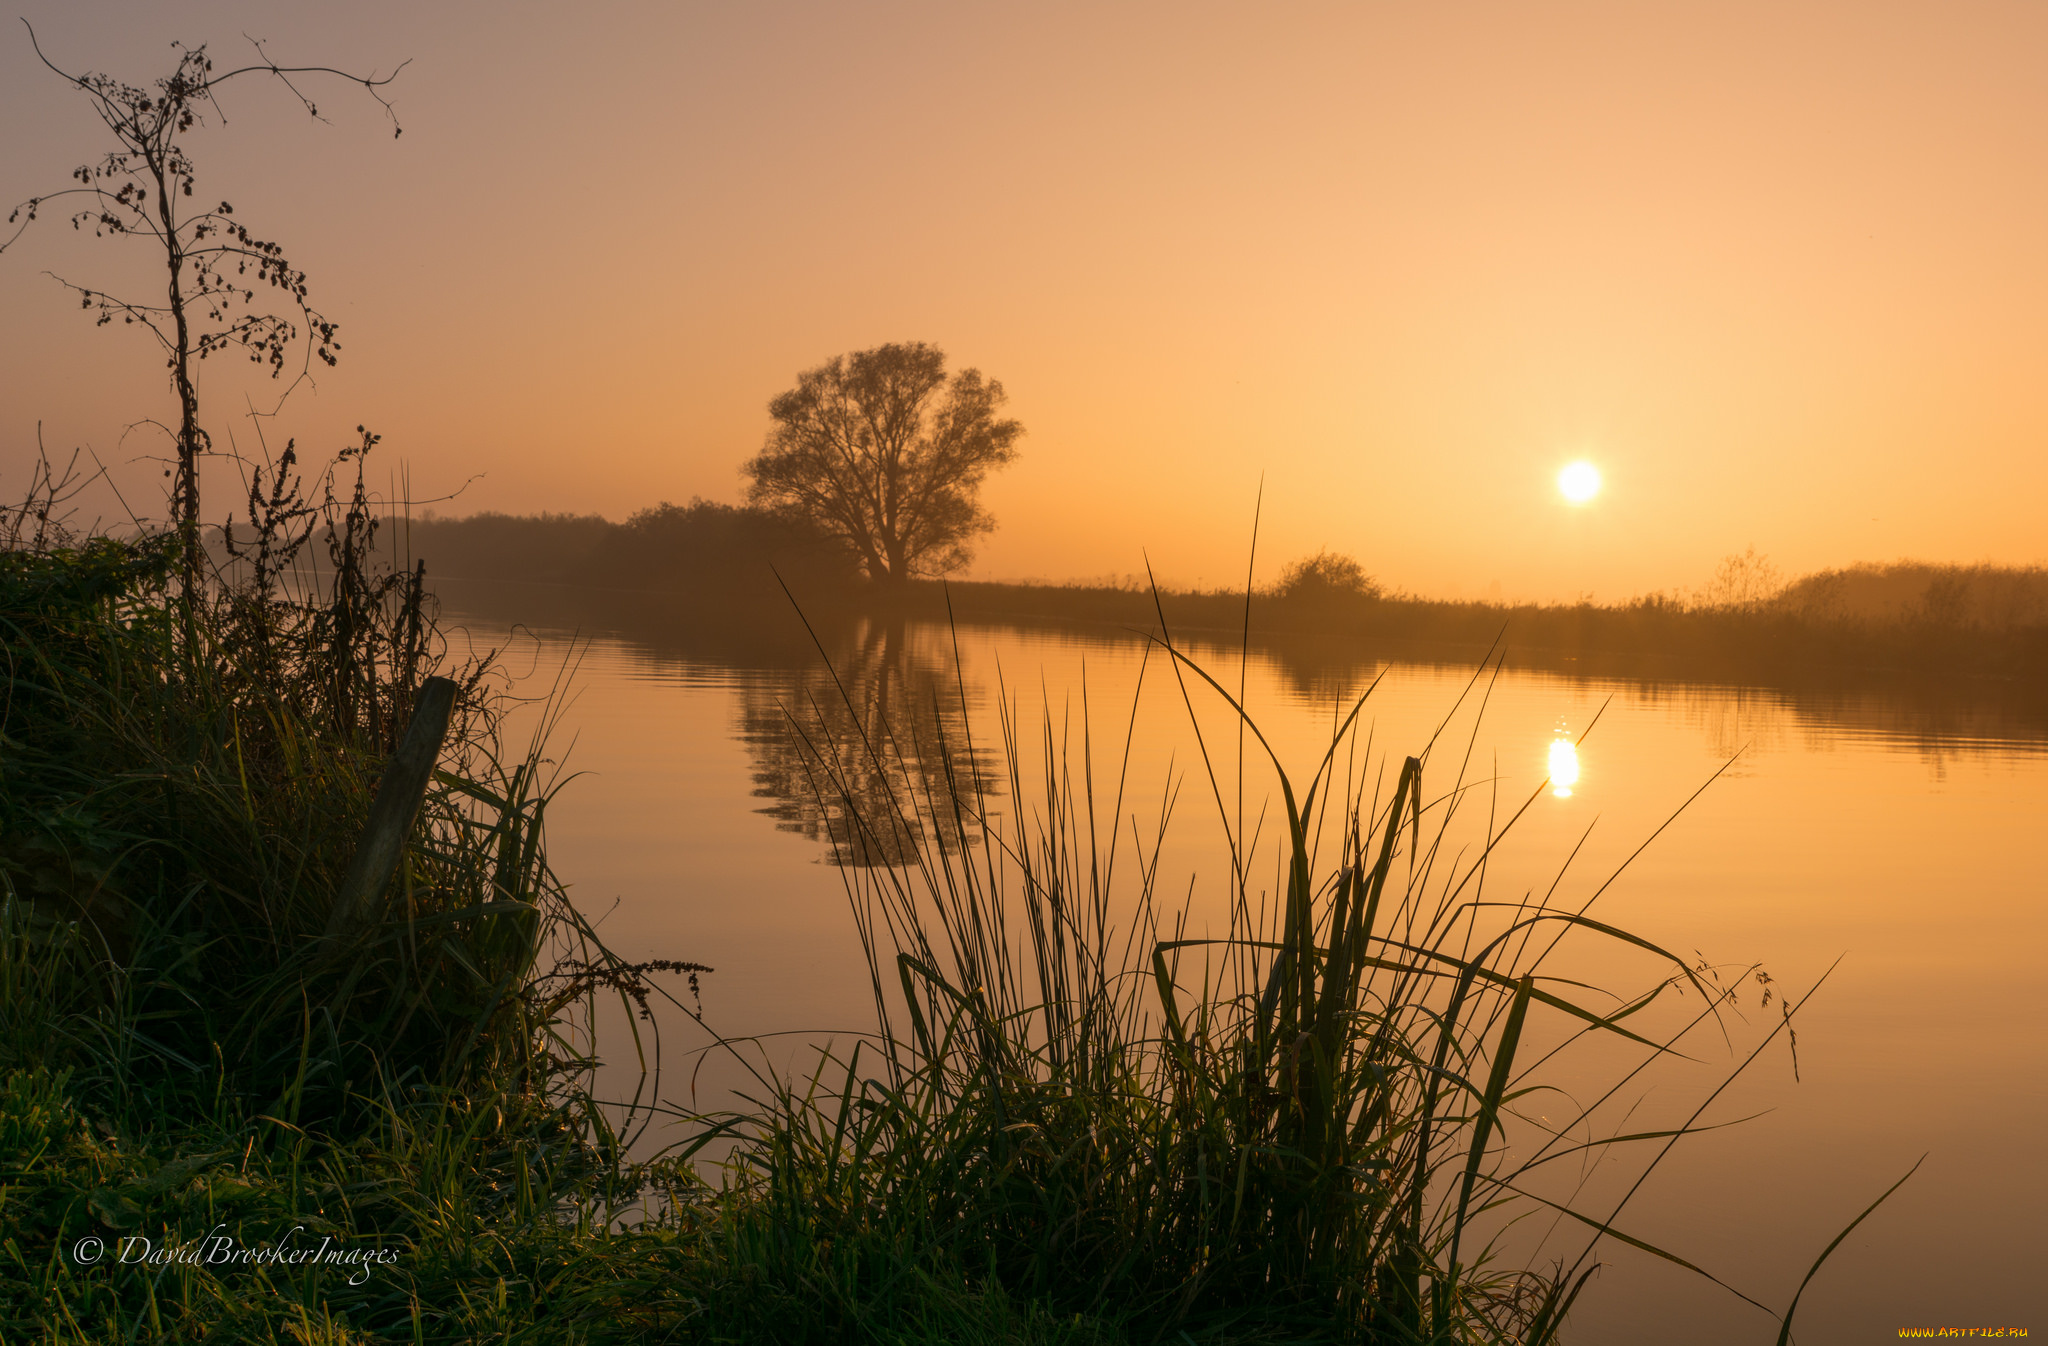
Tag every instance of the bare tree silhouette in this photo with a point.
(214, 267)
(1744, 582)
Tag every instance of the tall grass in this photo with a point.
(184, 781)
(183, 797)
(1295, 1129)
(1076, 1121)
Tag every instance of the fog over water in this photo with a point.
(1879, 832)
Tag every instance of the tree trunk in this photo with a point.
(185, 488)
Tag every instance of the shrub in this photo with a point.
(1325, 577)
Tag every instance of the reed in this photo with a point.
(1293, 1130)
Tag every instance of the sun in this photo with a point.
(1579, 481)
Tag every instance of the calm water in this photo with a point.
(1895, 838)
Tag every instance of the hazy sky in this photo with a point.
(1779, 269)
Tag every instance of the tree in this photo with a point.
(886, 453)
(213, 265)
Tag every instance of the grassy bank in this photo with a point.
(222, 1118)
(1069, 1124)
(192, 1051)
(1653, 637)
(705, 561)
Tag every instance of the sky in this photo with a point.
(1370, 272)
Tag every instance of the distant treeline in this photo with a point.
(1654, 637)
(708, 550)
(705, 556)
(1996, 598)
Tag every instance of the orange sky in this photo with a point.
(1780, 269)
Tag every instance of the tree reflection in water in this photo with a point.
(868, 755)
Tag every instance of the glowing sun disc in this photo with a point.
(1579, 482)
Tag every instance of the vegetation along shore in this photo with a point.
(1947, 621)
(225, 1029)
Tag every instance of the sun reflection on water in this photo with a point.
(1564, 767)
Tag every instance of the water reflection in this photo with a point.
(1780, 867)
(1940, 718)
(1564, 767)
(865, 755)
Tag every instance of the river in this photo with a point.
(1891, 835)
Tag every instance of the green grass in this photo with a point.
(183, 1056)
(181, 789)
(1071, 1123)
(1292, 1131)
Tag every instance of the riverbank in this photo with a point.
(1933, 706)
(248, 1097)
(247, 1094)
(720, 564)
(253, 1086)
(1647, 638)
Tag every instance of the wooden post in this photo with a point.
(397, 802)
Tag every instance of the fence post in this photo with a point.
(397, 802)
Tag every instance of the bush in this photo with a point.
(1325, 577)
